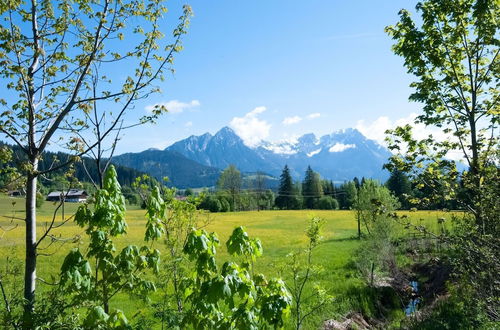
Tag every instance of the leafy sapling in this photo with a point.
(111, 272)
(307, 298)
(231, 298)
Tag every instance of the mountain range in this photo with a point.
(198, 160)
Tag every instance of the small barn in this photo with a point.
(15, 193)
(72, 195)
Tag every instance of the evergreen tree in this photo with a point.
(311, 188)
(347, 195)
(356, 182)
(399, 184)
(285, 192)
(328, 189)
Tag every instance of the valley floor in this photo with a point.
(281, 232)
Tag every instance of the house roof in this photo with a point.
(69, 193)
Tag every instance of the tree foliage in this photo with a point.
(113, 272)
(453, 52)
(230, 180)
(57, 60)
(233, 297)
(308, 297)
(373, 201)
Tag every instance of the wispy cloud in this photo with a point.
(292, 120)
(188, 124)
(251, 128)
(314, 115)
(174, 106)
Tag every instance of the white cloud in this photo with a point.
(174, 106)
(314, 115)
(188, 124)
(338, 147)
(257, 110)
(250, 128)
(291, 120)
(376, 131)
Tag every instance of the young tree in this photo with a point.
(300, 266)
(311, 188)
(454, 55)
(372, 199)
(113, 272)
(232, 297)
(230, 180)
(57, 59)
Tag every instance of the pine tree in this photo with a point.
(285, 192)
(356, 182)
(311, 188)
(399, 184)
(347, 195)
(328, 189)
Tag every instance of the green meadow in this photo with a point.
(281, 232)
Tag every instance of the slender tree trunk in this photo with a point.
(475, 174)
(105, 298)
(31, 255)
(359, 224)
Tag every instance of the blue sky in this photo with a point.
(315, 66)
(278, 69)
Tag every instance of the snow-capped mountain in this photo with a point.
(338, 156)
(221, 150)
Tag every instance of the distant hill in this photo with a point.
(126, 175)
(181, 171)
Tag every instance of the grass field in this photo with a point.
(280, 232)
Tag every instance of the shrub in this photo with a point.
(210, 203)
(327, 203)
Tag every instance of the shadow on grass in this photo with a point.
(341, 239)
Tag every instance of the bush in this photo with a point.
(133, 199)
(210, 203)
(327, 203)
(225, 206)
